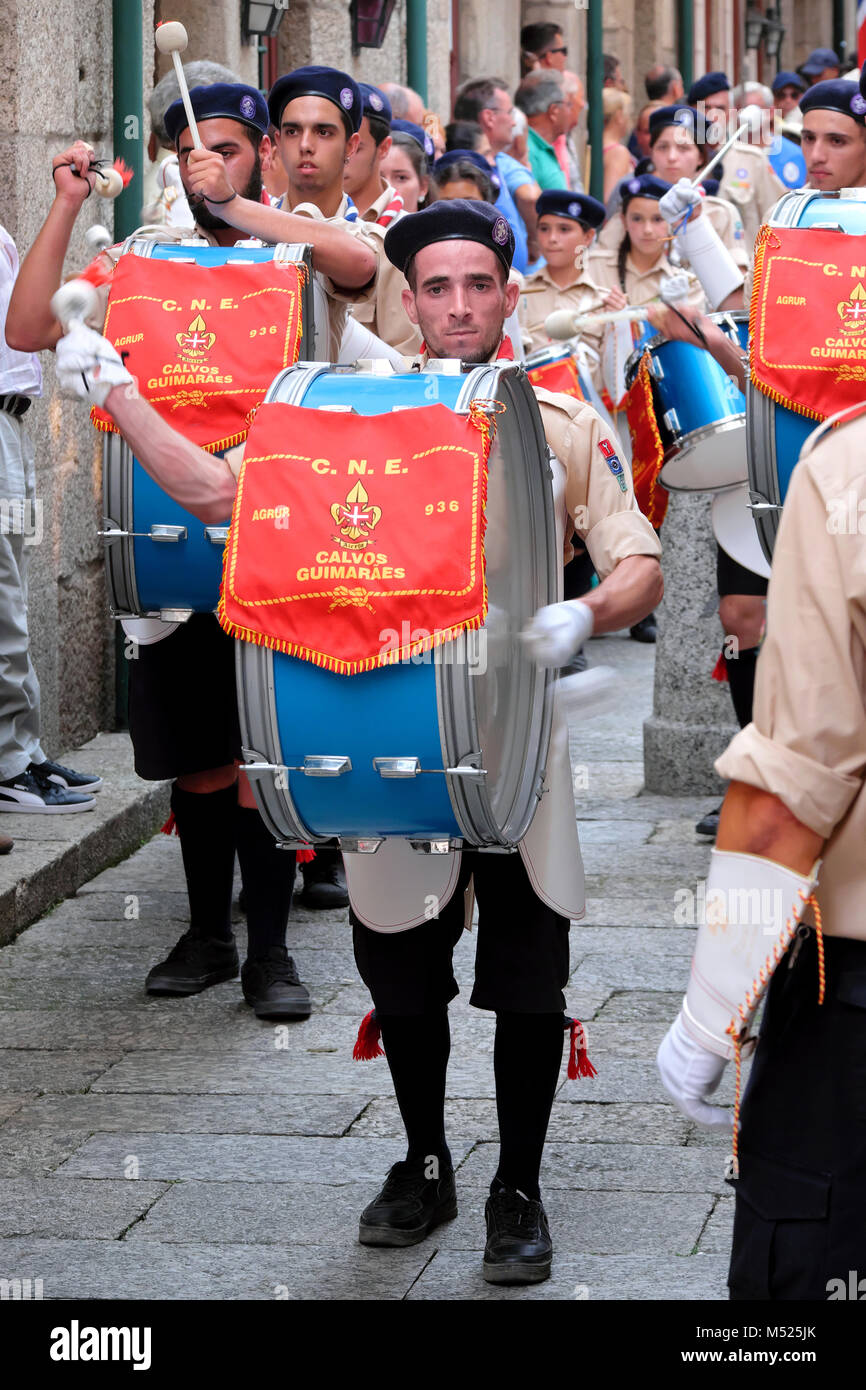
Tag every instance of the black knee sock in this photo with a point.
(206, 826)
(268, 875)
(417, 1048)
(526, 1060)
(741, 679)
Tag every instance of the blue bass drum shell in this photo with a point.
(774, 434)
(468, 723)
(161, 561)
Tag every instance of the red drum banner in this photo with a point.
(349, 527)
(808, 319)
(647, 451)
(204, 343)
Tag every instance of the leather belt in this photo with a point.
(15, 405)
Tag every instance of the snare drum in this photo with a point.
(451, 745)
(160, 560)
(700, 411)
(775, 435)
(563, 367)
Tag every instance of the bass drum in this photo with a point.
(450, 746)
(160, 560)
(774, 434)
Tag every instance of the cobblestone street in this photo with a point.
(183, 1149)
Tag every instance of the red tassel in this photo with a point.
(720, 670)
(170, 827)
(123, 170)
(98, 272)
(305, 856)
(578, 1061)
(367, 1043)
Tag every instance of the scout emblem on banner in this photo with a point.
(808, 319)
(647, 450)
(346, 526)
(204, 343)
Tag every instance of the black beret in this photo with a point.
(559, 202)
(230, 100)
(375, 103)
(418, 134)
(707, 86)
(789, 79)
(679, 113)
(461, 219)
(645, 186)
(838, 94)
(315, 81)
(444, 163)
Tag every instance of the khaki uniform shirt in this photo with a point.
(389, 890)
(751, 185)
(807, 742)
(384, 314)
(541, 296)
(641, 286)
(723, 215)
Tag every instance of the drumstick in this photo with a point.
(751, 117)
(73, 303)
(563, 323)
(172, 38)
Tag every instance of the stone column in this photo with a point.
(488, 44)
(693, 719)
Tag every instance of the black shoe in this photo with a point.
(65, 777)
(32, 792)
(325, 880)
(5, 844)
(645, 630)
(519, 1248)
(271, 986)
(193, 965)
(710, 823)
(408, 1207)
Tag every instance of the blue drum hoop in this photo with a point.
(460, 805)
(191, 558)
(775, 435)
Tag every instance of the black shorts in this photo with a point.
(521, 953)
(734, 578)
(800, 1217)
(183, 707)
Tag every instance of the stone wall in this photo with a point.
(72, 639)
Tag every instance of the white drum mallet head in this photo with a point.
(73, 303)
(97, 238)
(172, 38)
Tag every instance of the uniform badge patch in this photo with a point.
(611, 458)
(347, 98)
(248, 107)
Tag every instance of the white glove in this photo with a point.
(677, 201)
(689, 1074)
(556, 632)
(88, 367)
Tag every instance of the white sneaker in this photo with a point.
(31, 792)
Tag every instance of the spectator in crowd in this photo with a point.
(618, 163)
(466, 135)
(613, 73)
(406, 104)
(519, 147)
(407, 164)
(664, 85)
(565, 146)
(541, 98)
(785, 156)
(639, 140)
(486, 100)
(546, 43)
(465, 174)
(822, 65)
(788, 87)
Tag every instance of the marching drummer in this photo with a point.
(409, 909)
(567, 224)
(639, 266)
(748, 180)
(790, 850)
(182, 699)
